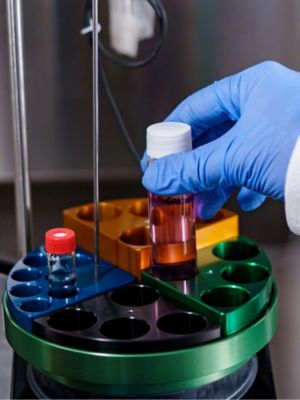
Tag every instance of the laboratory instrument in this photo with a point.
(126, 333)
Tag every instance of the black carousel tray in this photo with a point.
(133, 319)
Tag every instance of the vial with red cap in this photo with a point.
(60, 244)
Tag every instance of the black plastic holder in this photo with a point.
(132, 319)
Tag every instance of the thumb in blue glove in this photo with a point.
(244, 129)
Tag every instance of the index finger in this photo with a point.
(205, 108)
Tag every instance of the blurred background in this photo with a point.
(207, 40)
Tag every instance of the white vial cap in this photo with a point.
(166, 138)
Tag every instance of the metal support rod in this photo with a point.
(96, 132)
(22, 181)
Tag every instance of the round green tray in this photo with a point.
(143, 374)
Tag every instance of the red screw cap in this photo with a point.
(60, 241)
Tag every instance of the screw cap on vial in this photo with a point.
(166, 138)
(60, 241)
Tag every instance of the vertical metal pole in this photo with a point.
(22, 182)
(96, 133)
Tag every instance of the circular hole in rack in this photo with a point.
(235, 250)
(140, 208)
(36, 260)
(245, 273)
(136, 236)
(135, 295)
(36, 305)
(26, 275)
(181, 323)
(124, 328)
(106, 212)
(25, 290)
(82, 260)
(72, 319)
(226, 297)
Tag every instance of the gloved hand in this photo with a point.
(244, 129)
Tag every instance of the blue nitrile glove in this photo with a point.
(244, 130)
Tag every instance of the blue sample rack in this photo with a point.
(27, 285)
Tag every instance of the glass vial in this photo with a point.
(60, 244)
(172, 218)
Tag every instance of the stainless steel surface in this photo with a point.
(96, 132)
(6, 353)
(207, 39)
(22, 182)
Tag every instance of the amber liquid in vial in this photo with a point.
(172, 233)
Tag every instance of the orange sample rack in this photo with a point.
(124, 231)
